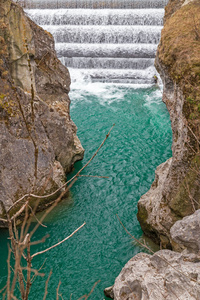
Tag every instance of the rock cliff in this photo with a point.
(38, 141)
(175, 192)
(169, 212)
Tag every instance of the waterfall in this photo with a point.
(109, 41)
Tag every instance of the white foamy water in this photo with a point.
(82, 86)
(106, 50)
(97, 16)
(105, 34)
(115, 75)
(93, 4)
(116, 44)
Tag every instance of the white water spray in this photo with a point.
(104, 41)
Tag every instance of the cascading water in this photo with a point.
(93, 3)
(110, 41)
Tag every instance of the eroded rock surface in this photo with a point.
(38, 141)
(165, 275)
(185, 234)
(178, 62)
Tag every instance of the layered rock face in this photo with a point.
(175, 192)
(38, 141)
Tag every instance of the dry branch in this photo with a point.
(50, 208)
(35, 275)
(93, 176)
(65, 239)
(21, 245)
(9, 273)
(46, 285)
(19, 211)
(36, 217)
(57, 291)
(143, 245)
(1, 291)
(3, 220)
(92, 290)
(34, 271)
(194, 135)
(40, 241)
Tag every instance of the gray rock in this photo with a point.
(153, 213)
(164, 275)
(185, 234)
(108, 292)
(38, 141)
(176, 192)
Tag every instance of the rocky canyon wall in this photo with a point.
(38, 141)
(175, 192)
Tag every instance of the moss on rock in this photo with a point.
(179, 51)
(178, 61)
(187, 199)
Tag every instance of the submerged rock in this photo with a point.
(178, 61)
(38, 141)
(164, 275)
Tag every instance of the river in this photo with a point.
(139, 142)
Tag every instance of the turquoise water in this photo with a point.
(140, 141)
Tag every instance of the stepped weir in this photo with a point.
(109, 41)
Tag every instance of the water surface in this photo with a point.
(139, 142)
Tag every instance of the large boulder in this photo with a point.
(38, 141)
(185, 234)
(166, 275)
